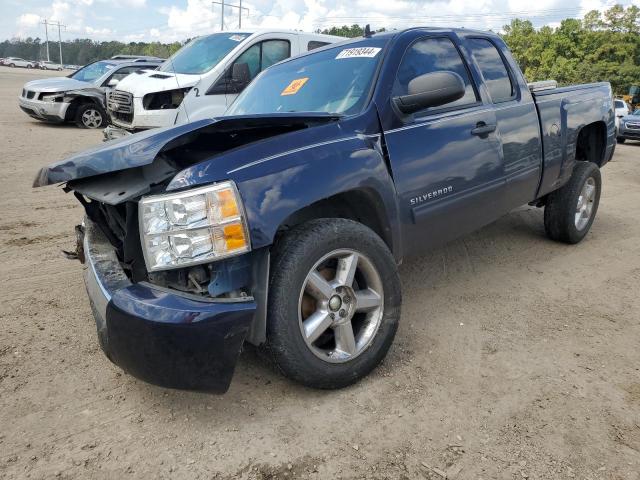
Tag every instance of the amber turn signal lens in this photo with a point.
(234, 237)
(227, 204)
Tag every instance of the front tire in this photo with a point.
(334, 303)
(570, 210)
(90, 115)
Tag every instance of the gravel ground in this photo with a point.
(517, 357)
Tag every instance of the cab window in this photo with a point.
(433, 55)
(494, 70)
(252, 61)
(313, 44)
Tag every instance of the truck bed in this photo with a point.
(563, 112)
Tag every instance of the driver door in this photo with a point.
(447, 161)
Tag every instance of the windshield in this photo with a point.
(202, 54)
(91, 72)
(336, 80)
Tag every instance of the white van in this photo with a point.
(204, 77)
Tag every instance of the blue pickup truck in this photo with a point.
(282, 224)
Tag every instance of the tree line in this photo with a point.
(602, 46)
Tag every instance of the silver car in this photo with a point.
(629, 128)
(80, 97)
(18, 62)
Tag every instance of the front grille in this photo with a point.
(633, 126)
(122, 117)
(119, 101)
(119, 224)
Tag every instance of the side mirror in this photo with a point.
(113, 82)
(431, 90)
(240, 75)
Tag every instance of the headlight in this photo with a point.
(51, 98)
(192, 227)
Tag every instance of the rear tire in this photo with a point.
(620, 139)
(29, 65)
(90, 115)
(12, 65)
(570, 210)
(343, 275)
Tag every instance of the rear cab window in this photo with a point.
(429, 55)
(313, 44)
(495, 72)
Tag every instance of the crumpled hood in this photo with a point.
(56, 84)
(141, 83)
(127, 152)
(142, 148)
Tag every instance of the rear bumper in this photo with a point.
(47, 111)
(158, 335)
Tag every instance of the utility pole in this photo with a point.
(46, 34)
(55, 24)
(223, 5)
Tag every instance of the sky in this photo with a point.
(171, 20)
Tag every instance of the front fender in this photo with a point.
(276, 187)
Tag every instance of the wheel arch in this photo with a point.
(591, 143)
(363, 205)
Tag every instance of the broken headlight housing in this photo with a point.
(56, 97)
(192, 227)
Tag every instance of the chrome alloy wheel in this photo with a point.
(340, 306)
(91, 118)
(586, 199)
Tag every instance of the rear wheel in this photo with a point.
(570, 210)
(334, 303)
(90, 115)
(29, 65)
(12, 65)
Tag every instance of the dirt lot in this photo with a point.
(516, 357)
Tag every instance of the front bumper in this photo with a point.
(144, 119)
(158, 335)
(631, 133)
(47, 111)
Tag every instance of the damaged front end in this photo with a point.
(173, 282)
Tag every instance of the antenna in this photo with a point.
(367, 31)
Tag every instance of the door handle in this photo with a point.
(482, 129)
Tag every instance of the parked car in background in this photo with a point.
(47, 65)
(629, 128)
(203, 77)
(622, 110)
(80, 97)
(282, 223)
(19, 62)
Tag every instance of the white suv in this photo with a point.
(203, 77)
(18, 62)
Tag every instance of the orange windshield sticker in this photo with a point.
(294, 86)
